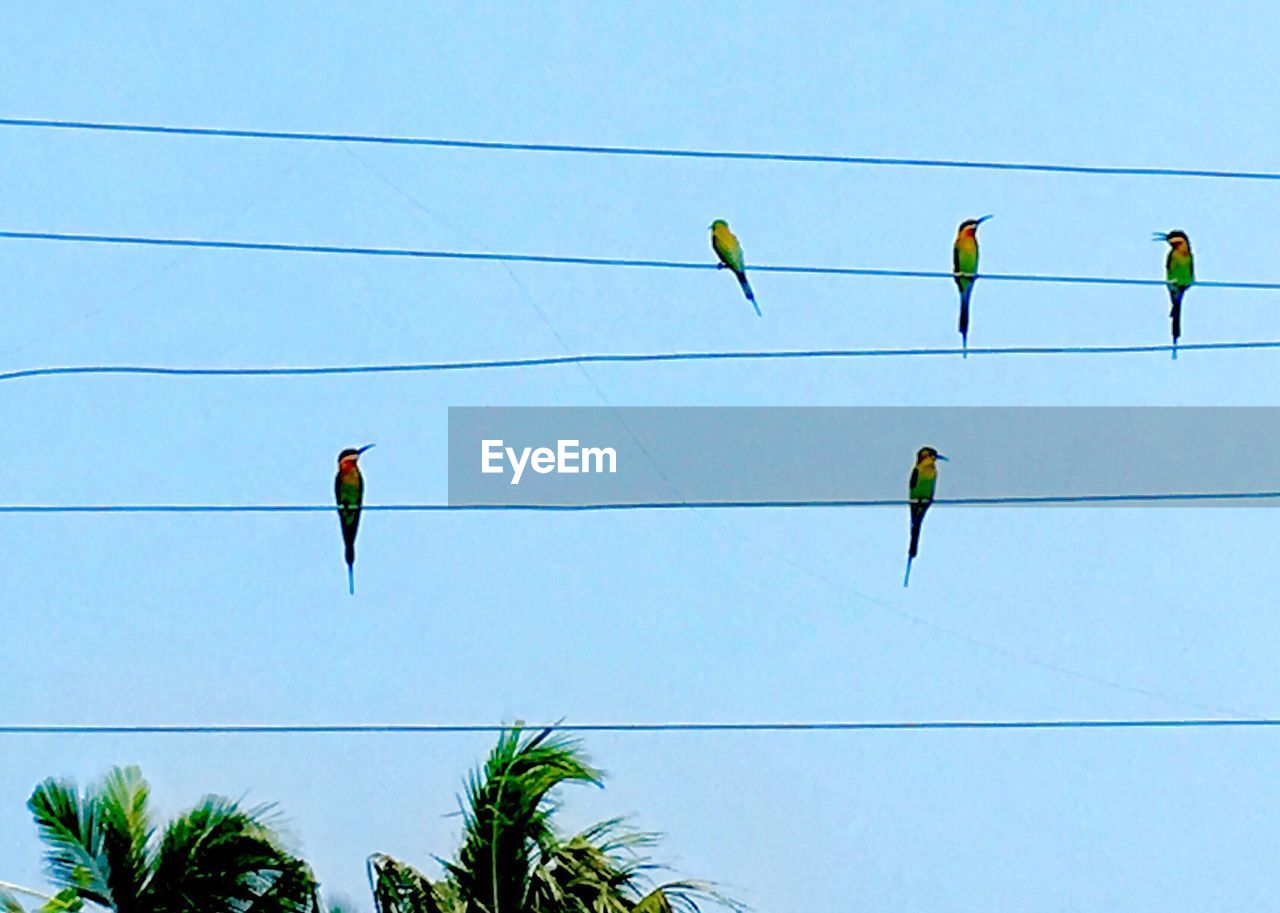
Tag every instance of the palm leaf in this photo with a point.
(221, 857)
(506, 816)
(604, 869)
(513, 860)
(124, 822)
(654, 902)
(685, 896)
(74, 853)
(65, 901)
(400, 888)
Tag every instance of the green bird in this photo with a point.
(348, 489)
(725, 244)
(964, 266)
(924, 480)
(1179, 275)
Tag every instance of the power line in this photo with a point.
(630, 727)
(636, 358)
(644, 151)
(1013, 500)
(498, 257)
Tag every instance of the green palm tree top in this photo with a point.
(102, 846)
(513, 859)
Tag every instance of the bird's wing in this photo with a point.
(349, 495)
(1179, 268)
(915, 477)
(728, 249)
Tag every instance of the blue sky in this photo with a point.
(760, 615)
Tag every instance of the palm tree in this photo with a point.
(102, 847)
(63, 902)
(513, 860)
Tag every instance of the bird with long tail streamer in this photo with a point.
(1179, 275)
(348, 489)
(725, 244)
(920, 489)
(964, 265)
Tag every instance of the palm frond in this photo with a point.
(578, 876)
(400, 888)
(686, 897)
(654, 902)
(513, 859)
(599, 869)
(65, 901)
(221, 857)
(604, 869)
(121, 813)
(74, 855)
(506, 815)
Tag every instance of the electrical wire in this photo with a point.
(499, 257)
(635, 358)
(1010, 500)
(632, 727)
(643, 151)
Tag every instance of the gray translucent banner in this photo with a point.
(601, 456)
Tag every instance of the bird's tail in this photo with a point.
(918, 509)
(966, 289)
(917, 517)
(351, 578)
(1175, 314)
(746, 290)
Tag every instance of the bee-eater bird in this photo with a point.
(964, 265)
(725, 244)
(1179, 275)
(348, 488)
(924, 479)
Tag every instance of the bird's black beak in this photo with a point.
(364, 448)
(941, 457)
(984, 218)
(1159, 236)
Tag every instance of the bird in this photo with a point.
(964, 265)
(725, 244)
(348, 489)
(1179, 275)
(924, 479)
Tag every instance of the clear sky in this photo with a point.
(759, 615)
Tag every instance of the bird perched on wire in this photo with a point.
(725, 244)
(924, 480)
(1179, 275)
(964, 265)
(348, 489)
